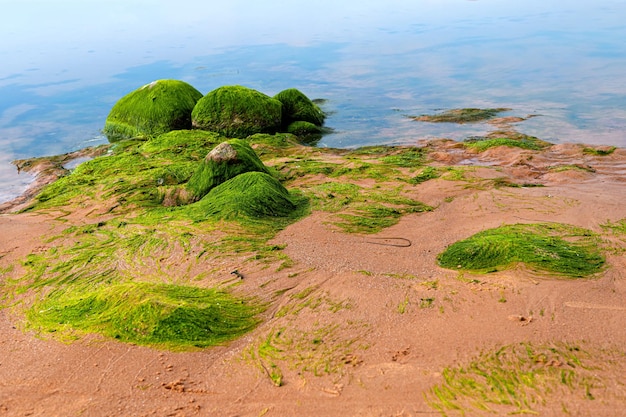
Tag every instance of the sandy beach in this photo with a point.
(362, 324)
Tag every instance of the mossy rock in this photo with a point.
(461, 116)
(225, 161)
(253, 194)
(550, 247)
(302, 128)
(298, 107)
(237, 112)
(154, 109)
(181, 144)
(506, 138)
(165, 315)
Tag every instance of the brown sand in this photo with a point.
(396, 356)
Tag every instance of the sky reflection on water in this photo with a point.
(65, 63)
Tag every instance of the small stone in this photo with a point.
(223, 152)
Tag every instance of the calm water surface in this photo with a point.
(65, 63)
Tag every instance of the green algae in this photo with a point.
(238, 112)
(548, 247)
(407, 157)
(325, 349)
(506, 182)
(128, 176)
(303, 128)
(571, 167)
(427, 173)
(297, 107)
(178, 145)
(252, 194)
(135, 172)
(226, 161)
(505, 138)
(145, 241)
(104, 253)
(373, 217)
(599, 151)
(515, 379)
(362, 209)
(461, 116)
(617, 227)
(161, 315)
(139, 174)
(151, 110)
(86, 284)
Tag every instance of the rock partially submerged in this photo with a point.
(302, 128)
(236, 111)
(299, 108)
(233, 111)
(461, 116)
(151, 110)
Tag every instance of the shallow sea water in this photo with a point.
(65, 63)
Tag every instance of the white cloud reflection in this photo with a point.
(72, 59)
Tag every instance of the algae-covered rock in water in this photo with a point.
(253, 194)
(302, 128)
(225, 161)
(298, 107)
(237, 112)
(151, 110)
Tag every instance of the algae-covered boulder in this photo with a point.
(237, 112)
(253, 194)
(225, 161)
(151, 110)
(302, 128)
(298, 107)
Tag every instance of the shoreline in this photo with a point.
(46, 170)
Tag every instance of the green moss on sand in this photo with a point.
(405, 157)
(516, 379)
(225, 161)
(238, 112)
(298, 107)
(550, 247)
(599, 151)
(468, 115)
(427, 173)
(143, 243)
(163, 315)
(363, 209)
(151, 110)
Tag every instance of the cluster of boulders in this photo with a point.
(231, 180)
(233, 111)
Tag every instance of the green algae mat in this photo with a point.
(514, 380)
(547, 247)
(161, 315)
